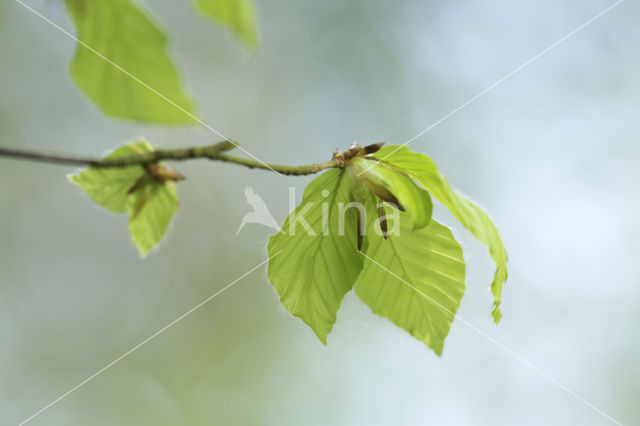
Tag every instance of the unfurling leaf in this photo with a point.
(237, 15)
(421, 168)
(138, 80)
(149, 202)
(395, 188)
(317, 262)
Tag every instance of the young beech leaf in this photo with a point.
(415, 279)
(109, 187)
(317, 258)
(237, 15)
(150, 210)
(391, 185)
(421, 168)
(123, 33)
(149, 204)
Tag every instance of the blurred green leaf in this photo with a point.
(108, 187)
(150, 210)
(126, 35)
(237, 15)
(421, 168)
(415, 279)
(149, 204)
(312, 271)
(394, 187)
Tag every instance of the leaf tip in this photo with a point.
(143, 248)
(73, 178)
(496, 314)
(321, 332)
(436, 345)
(142, 252)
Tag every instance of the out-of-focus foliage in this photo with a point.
(122, 65)
(237, 15)
(121, 61)
(148, 203)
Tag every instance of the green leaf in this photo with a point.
(237, 15)
(150, 210)
(149, 204)
(134, 44)
(312, 271)
(421, 168)
(393, 186)
(108, 187)
(415, 279)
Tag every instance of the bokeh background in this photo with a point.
(552, 153)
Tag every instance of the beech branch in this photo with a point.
(216, 152)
